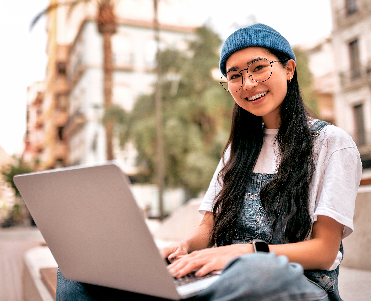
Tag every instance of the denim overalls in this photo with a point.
(254, 224)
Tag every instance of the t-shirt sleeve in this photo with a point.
(214, 187)
(339, 177)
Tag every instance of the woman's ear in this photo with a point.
(290, 69)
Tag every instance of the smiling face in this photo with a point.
(261, 98)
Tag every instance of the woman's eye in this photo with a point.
(259, 68)
(234, 76)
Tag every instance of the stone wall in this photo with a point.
(357, 247)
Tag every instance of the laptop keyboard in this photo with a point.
(191, 277)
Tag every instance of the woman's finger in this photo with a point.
(205, 269)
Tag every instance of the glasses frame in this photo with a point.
(250, 75)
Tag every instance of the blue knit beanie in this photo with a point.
(257, 35)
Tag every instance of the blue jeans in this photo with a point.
(260, 276)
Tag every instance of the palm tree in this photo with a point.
(106, 23)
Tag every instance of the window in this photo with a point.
(351, 6)
(355, 68)
(359, 124)
(60, 133)
(150, 52)
(122, 51)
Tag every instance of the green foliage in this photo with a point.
(15, 169)
(196, 117)
(305, 79)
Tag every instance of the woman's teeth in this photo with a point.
(257, 96)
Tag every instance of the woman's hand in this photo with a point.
(173, 251)
(198, 240)
(207, 260)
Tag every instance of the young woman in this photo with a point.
(286, 185)
(284, 178)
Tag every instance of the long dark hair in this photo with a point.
(285, 198)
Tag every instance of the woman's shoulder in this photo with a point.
(332, 136)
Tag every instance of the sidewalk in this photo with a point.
(14, 243)
(354, 285)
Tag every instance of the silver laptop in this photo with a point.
(96, 231)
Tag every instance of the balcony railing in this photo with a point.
(74, 123)
(353, 79)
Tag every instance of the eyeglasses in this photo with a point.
(258, 70)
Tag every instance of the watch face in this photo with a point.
(261, 246)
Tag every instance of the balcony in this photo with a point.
(62, 54)
(60, 150)
(61, 85)
(74, 123)
(355, 79)
(39, 122)
(60, 118)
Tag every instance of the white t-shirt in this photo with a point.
(335, 182)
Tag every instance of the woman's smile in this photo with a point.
(257, 97)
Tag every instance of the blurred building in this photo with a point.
(34, 137)
(64, 117)
(321, 64)
(64, 113)
(351, 41)
(47, 106)
(134, 50)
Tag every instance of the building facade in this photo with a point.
(66, 117)
(321, 64)
(134, 50)
(351, 41)
(72, 105)
(34, 137)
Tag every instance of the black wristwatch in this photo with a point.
(260, 245)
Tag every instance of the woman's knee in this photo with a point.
(262, 276)
(263, 268)
(71, 290)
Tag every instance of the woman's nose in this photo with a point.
(247, 81)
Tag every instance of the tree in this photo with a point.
(196, 117)
(106, 23)
(305, 79)
(15, 168)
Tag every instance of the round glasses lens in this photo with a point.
(260, 70)
(224, 83)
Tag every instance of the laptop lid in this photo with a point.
(95, 229)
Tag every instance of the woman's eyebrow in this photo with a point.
(234, 68)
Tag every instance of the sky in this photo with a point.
(23, 59)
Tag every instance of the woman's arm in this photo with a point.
(317, 253)
(198, 239)
(320, 251)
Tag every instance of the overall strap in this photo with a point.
(316, 127)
